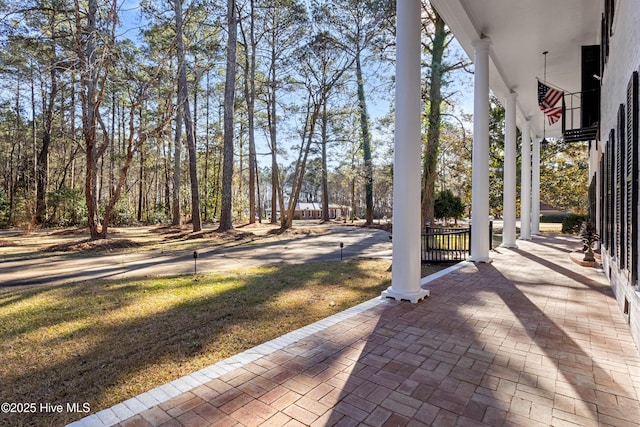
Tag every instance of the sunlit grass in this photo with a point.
(103, 342)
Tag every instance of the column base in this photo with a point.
(483, 259)
(509, 246)
(413, 297)
(524, 238)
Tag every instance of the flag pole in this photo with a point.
(544, 141)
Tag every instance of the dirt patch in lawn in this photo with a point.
(6, 243)
(88, 245)
(298, 231)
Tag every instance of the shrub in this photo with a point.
(446, 205)
(157, 216)
(553, 218)
(572, 222)
(68, 206)
(122, 215)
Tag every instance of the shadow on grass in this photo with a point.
(104, 342)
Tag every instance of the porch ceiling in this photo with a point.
(520, 30)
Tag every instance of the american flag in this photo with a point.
(548, 97)
(553, 114)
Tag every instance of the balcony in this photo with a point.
(581, 110)
(581, 115)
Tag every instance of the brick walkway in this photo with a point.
(530, 339)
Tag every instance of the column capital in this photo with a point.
(512, 95)
(482, 43)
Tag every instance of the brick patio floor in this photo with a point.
(530, 339)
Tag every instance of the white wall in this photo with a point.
(624, 58)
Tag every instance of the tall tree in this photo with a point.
(322, 67)
(564, 176)
(176, 214)
(183, 101)
(250, 47)
(41, 41)
(496, 156)
(438, 40)
(42, 164)
(94, 48)
(140, 124)
(226, 218)
(285, 23)
(361, 26)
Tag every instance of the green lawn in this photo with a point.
(104, 342)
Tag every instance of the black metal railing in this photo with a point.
(444, 244)
(448, 244)
(580, 115)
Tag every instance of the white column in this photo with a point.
(525, 186)
(535, 188)
(405, 278)
(509, 190)
(480, 155)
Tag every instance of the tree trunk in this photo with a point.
(42, 165)
(352, 186)
(313, 113)
(366, 141)
(112, 146)
(325, 179)
(90, 106)
(177, 168)
(140, 186)
(276, 192)
(250, 96)
(259, 198)
(188, 121)
(206, 152)
(433, 121)
(166, 155)
(226, 220)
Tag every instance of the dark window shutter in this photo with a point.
(602, 200)
(632, 177)
(621, 211)
(605, 190)
(612, 192)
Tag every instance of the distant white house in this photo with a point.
(314, 211)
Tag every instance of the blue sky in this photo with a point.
(131, 23)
